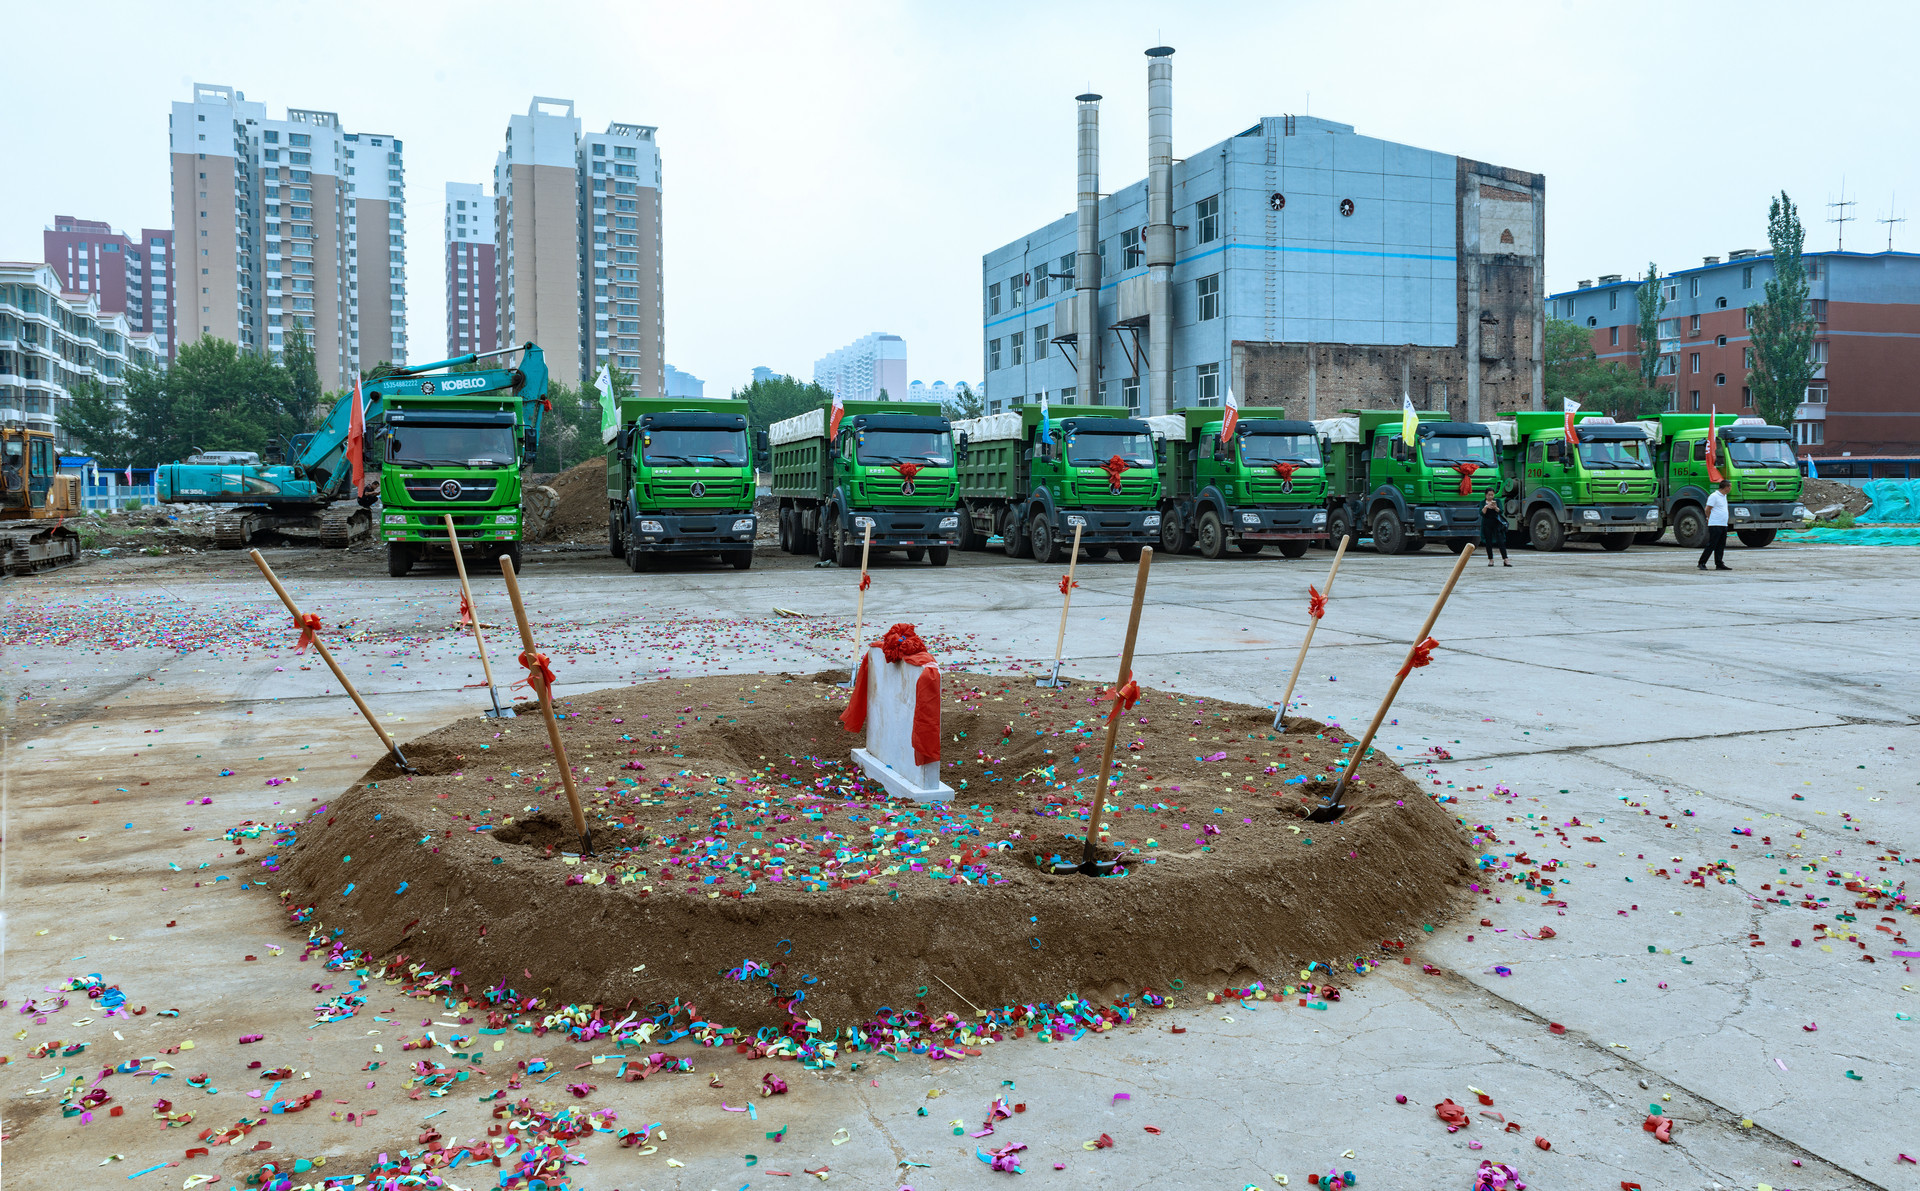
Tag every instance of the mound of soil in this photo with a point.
(731, 826)
(580, 514)
(1817, 494)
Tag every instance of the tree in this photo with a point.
(1653, 303)
(1573, 370)
(95, 421)
(214, 397)
(304, 395)
(964, 403)
(1782, 325)
(769, 401)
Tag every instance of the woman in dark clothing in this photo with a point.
(1493, 530)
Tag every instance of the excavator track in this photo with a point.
(41, 548)
(343, 524)
(232, 530)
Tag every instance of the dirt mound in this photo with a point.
(1818, 494)
(731, 827)
(580, 513)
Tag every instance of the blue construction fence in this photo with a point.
(107, 491)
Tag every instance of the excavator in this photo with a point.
(36, 498)
(313, 490)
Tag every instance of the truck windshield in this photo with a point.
(711, 448)
(451, 446)
(1091, 448)
(1280, 448)
(1760, 452)
(931, 447)
(1447, 450)
(1615, 455)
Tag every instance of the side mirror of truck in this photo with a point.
(762, 450)
(960, 449)
(1219, 451)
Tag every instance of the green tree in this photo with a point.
(1653, 303)
(769, 401)
(964, 403)
(213, 397)
(98, 423)
(1573, 370)
(1782, 325)
(304, 395)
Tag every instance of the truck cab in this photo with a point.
(1756, 458)
(1267, 483)
(1405, 494)
(1094, 469)
(680, 481)
(1602, 488)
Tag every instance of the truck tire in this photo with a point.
(1649, 539)
(637, 562)
(970, 539)
(510, 551)
(1097, 551)
(616, 532)
(937, 555)
(786, 531)
(1544, 531)
(1294, 548)
(1044, 545)
(1389, 535)
(399, 559)
(1456, 545)
(1210, 535)
(1754, 539)
(846, 553)
(824, 534)
(1690, 527)
(1339, 525)
(1613, 543)
(1129, 552)
(741, 559)
(1174, 538)
(1250, 547)
(1014, 534)
(916, 553)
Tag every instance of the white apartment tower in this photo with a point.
(865, 369)
(621, 321)
(472, 270)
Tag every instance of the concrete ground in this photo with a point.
(1668, 711)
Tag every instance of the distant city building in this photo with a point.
(129, 276)
(1866, 348)
(865, 369)
(762, 374)
(472, 280)
(684, 384)
(579, 244)
(937, 391)
(50, 340)
(279, 223)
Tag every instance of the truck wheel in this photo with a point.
(1616, 542)
(970, 539)
(1293, 548)
(512, 552)
(1174, 538)
(1389, 535)
(1250, 547)
(786, 531)
(1544, 531)
(741, 559)
(637, 562)
(1098, 551)
(1648, 539)
(846, 552)
(399, 559)
(824, 535)
(1456, 545)
(1209, 535)
(1128, 553)
(616, 526)
(1690, 527)
(915, 553)
(1339, 525)
(1014, 535)
(1045, 547)
(1754, 539)
(937, 555)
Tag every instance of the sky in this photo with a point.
(836, 169)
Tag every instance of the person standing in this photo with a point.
(1717, 528)
(1493, 530)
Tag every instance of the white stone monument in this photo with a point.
(892, 696)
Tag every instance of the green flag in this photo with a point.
(609, 409)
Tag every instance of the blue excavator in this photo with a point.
(313, 491)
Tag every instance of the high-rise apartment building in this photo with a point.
(52, 340)
(578, 220)
(279, 223)
(127, 276)
(472, 280)
(871, 368)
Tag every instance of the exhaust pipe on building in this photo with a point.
(1159, 230)
(1086, 260)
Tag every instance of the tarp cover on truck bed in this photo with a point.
(812, 424)
(991, 428)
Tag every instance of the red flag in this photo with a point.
(839, 411)
(129, 475)
(1572, 408)
(1713, 447)
(1230, 421)
(357, 437)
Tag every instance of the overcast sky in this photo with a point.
(835, 169)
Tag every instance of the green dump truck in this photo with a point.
(1405, 494)
(1032, 480)
(1264, 485)
(680, 481)
(1601, 488)
(1757, 459)
(454, 442)
(889, 468)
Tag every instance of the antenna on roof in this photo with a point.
(1891, 219)
(1844, 206)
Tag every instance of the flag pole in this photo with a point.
(1279, 713)
(1066, 591)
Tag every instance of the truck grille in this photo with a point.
(1613, 491)
(925, 492)
(450, 490)
(668, 491)
(1272, 488)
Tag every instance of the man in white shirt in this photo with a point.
(1717, 528)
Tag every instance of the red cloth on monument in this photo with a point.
(902, 644)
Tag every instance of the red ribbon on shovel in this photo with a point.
(1316, 603)
(1422, 655)
(539, 673)
(308, 626)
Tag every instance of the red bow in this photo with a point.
(539, 673)
(466, 610)
(308, 626)
(1123, 699)
(1466, 471)
(1422, 655)
(1316, 603)
(908, 470)
(1286, 471)
(1115, 468)
(1067, 583)
(866, 580)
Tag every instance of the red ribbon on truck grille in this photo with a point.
(1466, 471)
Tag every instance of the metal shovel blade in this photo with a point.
(500, 711)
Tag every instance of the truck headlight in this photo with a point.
(1589, 514)
(1150, 521)
(1653, 514)
(744, 525)
(1320, 518)
(949, 523)
(1432, 515)
(1742, 511)
(1249, 518)
(862, 522)
(652, 527)
(1800, 511)
(506, 519)
(393, 519)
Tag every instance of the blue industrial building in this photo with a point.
(1310, 267)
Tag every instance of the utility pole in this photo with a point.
(1890, 220)
(1844, 206)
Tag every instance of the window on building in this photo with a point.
(1669, 328)
(993, 298)
(1040, 341)
(1669, 365)
(1130, 392)
(1069, 394)
(1809, 434)
(1016, 288)
(1207, 291)
(1017, 342)
(1696, 400)
(1694, 361)
(1206, 221)
(1670, 291)
(1130, 240)
(1208, 387)
(1817, 308)
(1720, 341)
(1693, 325)
(1813, 269)
(1593, 320)
(1613, 337)
(1040, 286)
(1816, 394)
(1819, 351)
(1613, 299)
(1720, 303)
(993, 355)
(1746, 277)
(1749, 316)
(1719, 379)
(1693, 287)
(626, 152)
(1746, 397)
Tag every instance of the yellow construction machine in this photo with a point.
(36, 498)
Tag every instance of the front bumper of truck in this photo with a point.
(1753, 514)
(691, 533)
(895, 529)
(422, 526)
(1610, 518)
(1289, 523)
(1109, 526)
(1444, 521)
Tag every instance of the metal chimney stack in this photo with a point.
(1086, 260)
(1159, 230)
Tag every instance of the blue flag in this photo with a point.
(1813, 469)
(1046, 421)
